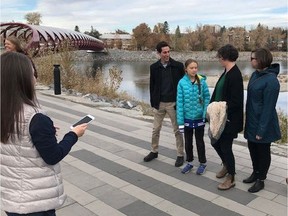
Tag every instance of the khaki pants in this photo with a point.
(166, 108)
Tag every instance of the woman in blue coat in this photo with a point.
(262, 126)
(192, 100)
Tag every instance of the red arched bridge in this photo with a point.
(39, 38)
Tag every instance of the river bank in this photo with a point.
(116, 55)
(124, 55)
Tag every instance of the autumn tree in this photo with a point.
(284, 45)
(177, 40)
(177, 32)
(205, 38)
(93, 33)
(119, 43)
(191, 39)
(226, 38)
(161, 28)
(276, 38)
(208, 39)
(141, 34)
(201, 37)
(259, 37)
(210, 42)
(158, 28)
(239, 37)
(33, 18)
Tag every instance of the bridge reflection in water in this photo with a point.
(38, 38)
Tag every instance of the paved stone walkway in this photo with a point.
(105, 175)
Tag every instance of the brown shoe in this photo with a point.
(228, 183)
(222, 173)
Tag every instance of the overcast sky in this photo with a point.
(108, 15)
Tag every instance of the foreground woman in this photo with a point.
(31, 181)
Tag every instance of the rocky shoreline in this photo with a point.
(124, 55)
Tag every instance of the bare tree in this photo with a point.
(33, 18)
(259, 37)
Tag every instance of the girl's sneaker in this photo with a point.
(187, 168)
(201, 169)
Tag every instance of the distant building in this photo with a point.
(118, 41)
(217, 28)
(212, 28)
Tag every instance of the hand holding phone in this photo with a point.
(79, 130)
(85, 119)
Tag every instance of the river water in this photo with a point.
(136, 74)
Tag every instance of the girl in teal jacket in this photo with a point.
(192, 100)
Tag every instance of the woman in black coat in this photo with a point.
(229, 88)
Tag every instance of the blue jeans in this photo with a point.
(44, 213)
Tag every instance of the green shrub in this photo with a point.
(70, 79)
(283, 126)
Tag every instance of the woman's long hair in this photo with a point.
(19, 48)
(16, 42)
(17, 89)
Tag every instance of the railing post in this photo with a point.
(57, 80)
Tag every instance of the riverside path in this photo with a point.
(105, 175)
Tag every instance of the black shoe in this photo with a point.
(259, 185)
(250, 179)
(179, 161)
(151, 156)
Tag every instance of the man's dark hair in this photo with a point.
(228, 52)
(160, 45)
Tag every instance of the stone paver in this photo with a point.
(104, 174)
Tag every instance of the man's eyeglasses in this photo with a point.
(253, 58)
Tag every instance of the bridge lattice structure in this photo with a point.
(40, 38)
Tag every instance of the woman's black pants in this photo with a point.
(260, 154)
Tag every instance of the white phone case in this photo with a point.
(86, 119)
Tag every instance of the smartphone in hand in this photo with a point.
(85, 119)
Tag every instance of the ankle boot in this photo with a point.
(259, 185)
(228, 183)
(250, 179)
(222, 173)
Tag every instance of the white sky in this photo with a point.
(108, 15)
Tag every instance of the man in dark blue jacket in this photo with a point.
(164, 77)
